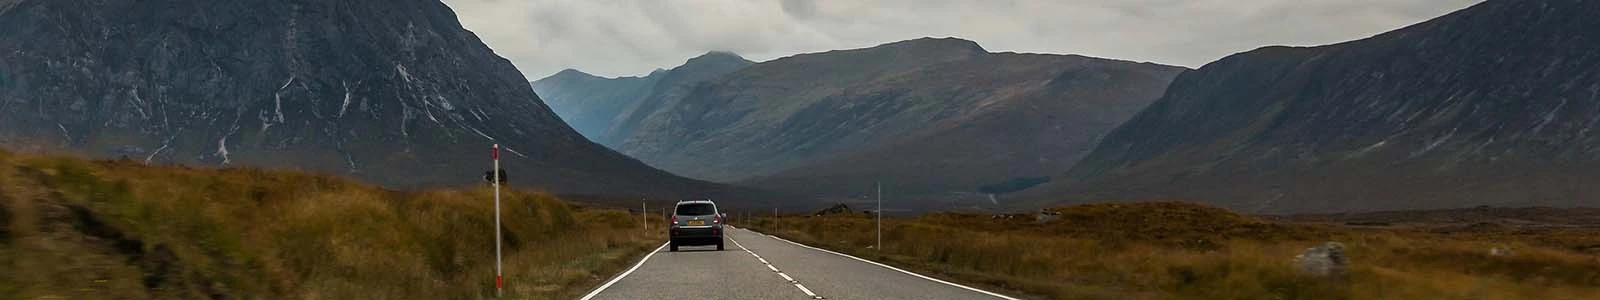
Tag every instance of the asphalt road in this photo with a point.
(757, 266)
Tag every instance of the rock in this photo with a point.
(1501, 250)
(1046, 216)
(836, 209)
(1326, 260)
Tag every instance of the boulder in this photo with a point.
(1326, 260)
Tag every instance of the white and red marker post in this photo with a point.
(498, 280)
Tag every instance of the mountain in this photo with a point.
(600, 108)
(587, 102)
(394, 92)
(1495, 104)
(926, 115)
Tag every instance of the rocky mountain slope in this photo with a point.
(1496, 104)
(394, 92)
(926, 115)
(600, 107)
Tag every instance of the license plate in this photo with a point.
(697, 222)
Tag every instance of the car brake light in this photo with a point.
(716, 219)
(674, 220)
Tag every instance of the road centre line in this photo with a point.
(808, 291)
(996, 295)
(775, 269)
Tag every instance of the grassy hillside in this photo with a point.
(1183, 251)
(121, 230)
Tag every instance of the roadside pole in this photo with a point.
(644, 211)
(499, 281)
(879, 245)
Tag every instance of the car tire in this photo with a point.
(673, 247)
(719, 245)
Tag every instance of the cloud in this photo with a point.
(802, 9)
(631, 37)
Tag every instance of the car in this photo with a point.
(695, 223)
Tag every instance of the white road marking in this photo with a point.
(774, 269)
(624, 274)
(808, 291)
(996, 295)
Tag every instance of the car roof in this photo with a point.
(697, 201)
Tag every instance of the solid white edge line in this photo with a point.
(608, 284)
(786, 277)
(996, 295)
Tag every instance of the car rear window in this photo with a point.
(696, 209)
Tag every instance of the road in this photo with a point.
(758, 266)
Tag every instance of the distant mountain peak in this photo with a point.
(718, 57)
(944, 43)
(572, 73)
(594, 107)
(718, 54)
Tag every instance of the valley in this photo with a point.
(191, 149)
(931, 117)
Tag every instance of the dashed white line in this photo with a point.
(774, 269)
(808, 291)
(996, 295)
(624, 274)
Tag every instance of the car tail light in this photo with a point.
(674, 220)
(716, 219)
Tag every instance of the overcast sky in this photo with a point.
(633, 37)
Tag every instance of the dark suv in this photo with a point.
(696, 223)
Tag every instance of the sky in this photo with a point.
(633, 37)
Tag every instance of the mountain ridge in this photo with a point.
(850, 109)
(393, 92)
(601, 107)
(1490, 105)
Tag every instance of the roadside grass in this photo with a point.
(1183, 251)
(74, 228)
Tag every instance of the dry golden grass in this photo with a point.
(74, 228)
(1182, 251)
